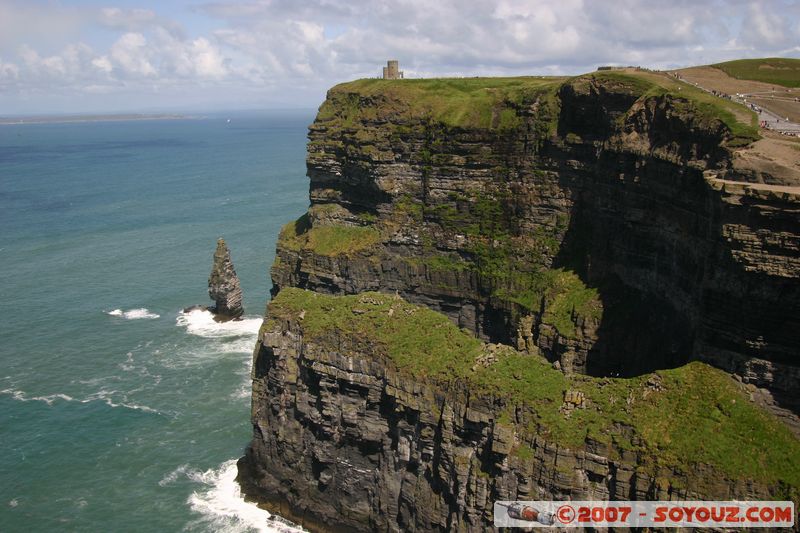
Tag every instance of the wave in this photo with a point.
(172, 477)
(22, 397)
(223, 508)
(200, 322)
(133, 314)
(245, 390)
(103, 396)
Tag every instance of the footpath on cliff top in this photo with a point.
(771, 88)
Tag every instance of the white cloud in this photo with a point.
(71, 64)
(132, 55)
(765, 27)
(102, 64)
(275, 47)
(208, 61)
(8, 71)
(127, 19)
(198, 58)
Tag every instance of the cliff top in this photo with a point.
(685, 416)
(465, 102)
(494, 102)
(741, 121)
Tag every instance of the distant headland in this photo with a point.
(60, 119)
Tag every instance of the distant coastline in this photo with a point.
(63, 119)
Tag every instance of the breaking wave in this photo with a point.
(133, 314)
(201, 322)
(103, 396)
(222, 507)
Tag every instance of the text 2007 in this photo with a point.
(603, 514)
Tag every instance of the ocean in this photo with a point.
(118, 412)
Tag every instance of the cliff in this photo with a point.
(600, 224)
(594, 220)
(363, 424)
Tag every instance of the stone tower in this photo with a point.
(392, 70)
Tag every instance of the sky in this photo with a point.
(197, 55)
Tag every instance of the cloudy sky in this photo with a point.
(191, 55)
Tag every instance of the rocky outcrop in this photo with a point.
(346, 440)
(223, 285)
(622, 193)
(598, 224)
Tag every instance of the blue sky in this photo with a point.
(204, 55)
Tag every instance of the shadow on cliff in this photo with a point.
(654, 239)
(638, 332)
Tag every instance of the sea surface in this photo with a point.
(118, 412)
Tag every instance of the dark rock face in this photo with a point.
(223, 285)
(344, 442)
(633, 196)
(632, 199)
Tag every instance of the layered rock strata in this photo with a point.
(631, 197)
(352, 437)
(599, 226)
(223, 285)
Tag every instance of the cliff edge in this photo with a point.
(362, 423)
(594, 243)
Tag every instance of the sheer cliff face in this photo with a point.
(592, 224)
(354, 433)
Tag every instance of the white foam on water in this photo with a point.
(201, 322)
(13, 503)
(242, 345)
(133, 314)
(173, 476)
(245, 390)
(103, 395)
(21, 396)
(222, 506)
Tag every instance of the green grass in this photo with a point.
(694, 415)
(701, 401)
(777, 70)
(443, 351)
(453, 102)
(494, 103)
(441, 262)
(742, 122)
(327, 240)
(567, 296)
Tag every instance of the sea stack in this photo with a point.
(223, 286)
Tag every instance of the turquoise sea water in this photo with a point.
(117, 411)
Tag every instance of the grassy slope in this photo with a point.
(327, 240)
(490, 102)
(778, 70)
(461, 102)
(742, 122)
(696, 414)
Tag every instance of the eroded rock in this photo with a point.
(223, 286)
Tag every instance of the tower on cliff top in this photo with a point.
(392, 70)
